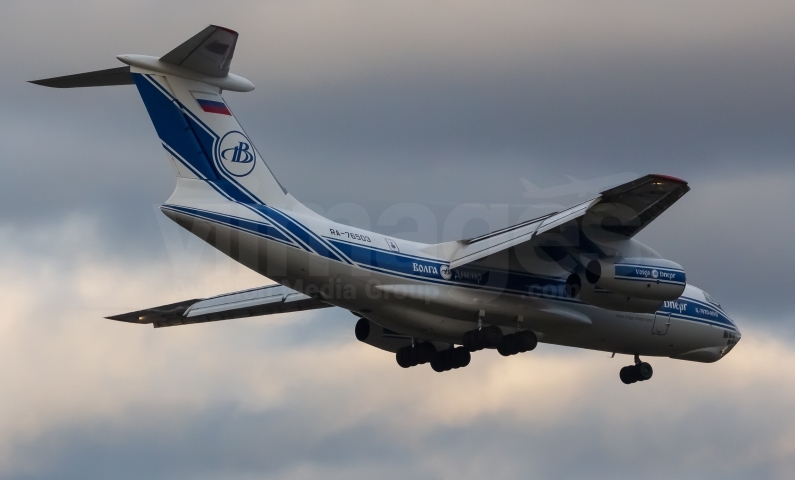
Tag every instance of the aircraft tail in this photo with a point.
(182, 92)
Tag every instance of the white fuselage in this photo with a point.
(408, 287)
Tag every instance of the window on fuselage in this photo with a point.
(711, 300)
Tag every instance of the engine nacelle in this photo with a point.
(373, 334)
(578, 287)
(646, 279)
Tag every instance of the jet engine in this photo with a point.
(628, 284)
(647, 278)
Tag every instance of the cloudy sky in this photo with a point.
(368, 111)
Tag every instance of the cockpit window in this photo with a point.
(711, 300)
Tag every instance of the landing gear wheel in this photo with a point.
(449, 359)
(508, 346)
(425, 352)
(410, 356)
(628, 375)
(489, 337)
(486, 337)
(461, 357)
(640, 372)
(526, 341)
(441, 362)
(643, 371)
(518, 342)
(402, 357)
(470, 341)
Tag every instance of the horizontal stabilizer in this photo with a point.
(99, 78)
(209, 52)
(248, 303)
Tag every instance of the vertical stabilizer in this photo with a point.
(182, 91)
(205, 140)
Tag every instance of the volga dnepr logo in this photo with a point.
(445, 272)
(235, 154)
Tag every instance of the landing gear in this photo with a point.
(518, 342)
(486, 337)
(417, 354)
(640, 372)
(445, 360)
(425, 352)
(473, 340)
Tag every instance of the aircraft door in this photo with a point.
(661, 323)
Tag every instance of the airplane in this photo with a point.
(576, 277)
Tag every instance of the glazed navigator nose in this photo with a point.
(732, 338)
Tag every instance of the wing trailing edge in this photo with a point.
(247, 303)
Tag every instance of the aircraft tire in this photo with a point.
(470, 341)
(508, 346)
(526, 340)
(425, 352)
(489, 337)
(402, 358)
(643, 371)
(461, 357)
(441, 362)
(629, 375)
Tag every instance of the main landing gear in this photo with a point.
(417, 354)
(473, 340)
(492, 337)
(425, 352)
(449, 359)
(640, 372)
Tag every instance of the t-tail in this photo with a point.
(182, 91)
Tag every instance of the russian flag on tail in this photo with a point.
(211, 103)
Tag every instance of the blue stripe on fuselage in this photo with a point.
(688, 308)
(259, 228)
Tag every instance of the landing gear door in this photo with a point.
(661, 323)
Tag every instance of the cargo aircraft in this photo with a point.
(576, 277)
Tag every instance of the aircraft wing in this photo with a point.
(248, 303)
(623, 210)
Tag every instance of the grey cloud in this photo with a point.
(371, 111)
(608, 433)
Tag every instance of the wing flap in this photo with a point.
(248, 303)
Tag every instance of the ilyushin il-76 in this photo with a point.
(575, 277)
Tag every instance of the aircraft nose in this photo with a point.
(732, 339)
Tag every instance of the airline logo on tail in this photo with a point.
(235, 154)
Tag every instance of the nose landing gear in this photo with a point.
(640, 372)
